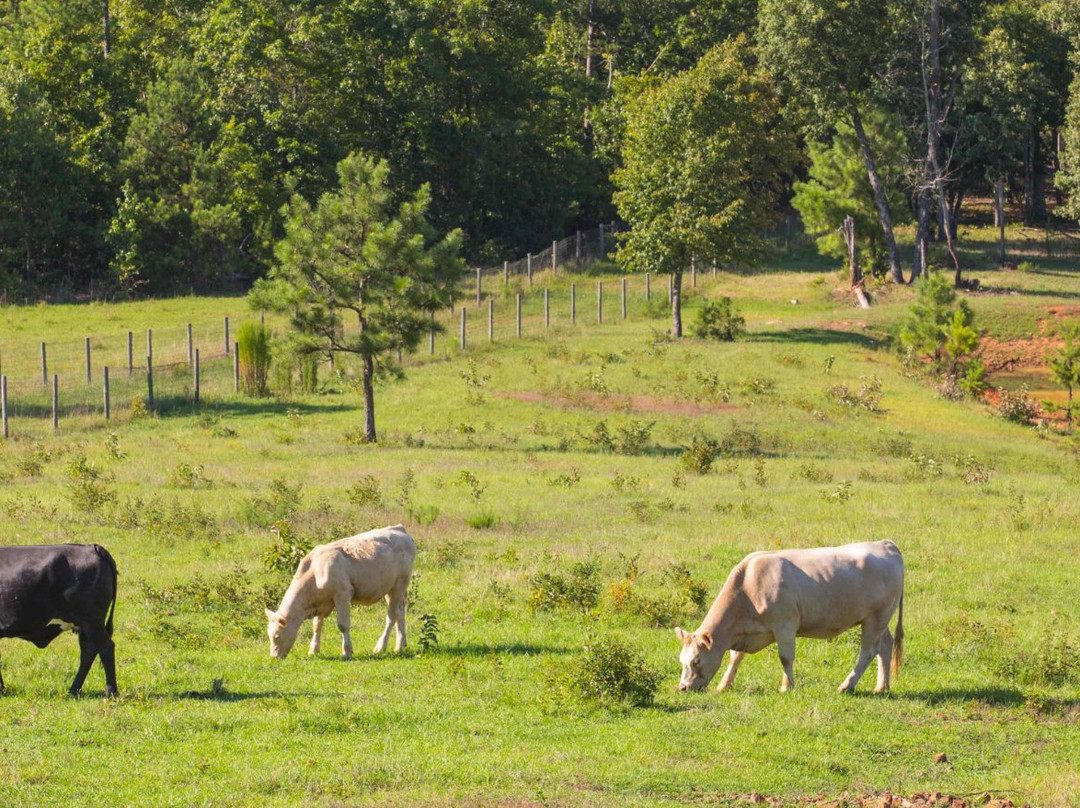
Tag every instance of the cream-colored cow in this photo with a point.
(360, 569)
(778, 596)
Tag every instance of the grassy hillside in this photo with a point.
(561, 455)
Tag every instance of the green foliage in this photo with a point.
(700, 455)
(607, 673)
(577, 589)
(937, 330)
(1065, 366)
(253, 353)
(867, 397)
(429, 633)
(719, 320)
(1018, 406)
(88, 489)
(279, 502)
(366, 492)
(287, 551)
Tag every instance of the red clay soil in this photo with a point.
(927, 800)
(619, 403)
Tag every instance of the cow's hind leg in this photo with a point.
(2, 688)
(88, 649)
(342, 603)
(732, 668)
(786, 648)
(399, 598)
(107, 652)
(868, 648)
(380, 646)
(884, 659)
(316, 635)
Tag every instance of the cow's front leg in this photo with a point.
(728, 678)
(867, 648)
(316, 635)
(380, 646)
(341, 606)
(786, 648)
(88, 649)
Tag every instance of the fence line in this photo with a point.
(166, 377)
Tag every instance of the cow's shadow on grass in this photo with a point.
(997, 696)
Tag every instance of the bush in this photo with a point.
(366, 493)
(700, 455)
(607, 673)
(718, 320)
(1018, 406)
(253, 353)
(578, 589)
(279, 502)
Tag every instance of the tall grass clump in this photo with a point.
(253, 352)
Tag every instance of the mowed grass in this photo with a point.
(984, 511)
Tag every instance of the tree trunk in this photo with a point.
(1034, 186)
(895, 272)
(676, 304)
(369, 399)
(999, 215)
(923, 204)
(105, 28)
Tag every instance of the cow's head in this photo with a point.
(700, 659)
(282, 633)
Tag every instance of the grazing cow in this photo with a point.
(778, 596)
(360, 569)
(47, 589)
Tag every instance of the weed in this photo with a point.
(971, 471)
(1017, 406)
(469, 480)
(868, 396)
(924, 467)
(710, 387)
(33, 461)
(633, 438)
(678, 479)
(600, 438)
(366, 493)
(429, 633)
(700, 455)
(625, 483)
(406, 484)
(756, 386)
(253, 356)
(693, 590)
(606, 673)
(448, 554)
(475, 380)
(87, 488)
(899, 445)
(596, 382)
(812, 473)
(827, 365)
(280, 501)
(423, 515)
(842, 492)
(485, 520)
(138, 407)
(577, 590)
(187, 476)
(760, 477)
(285, 554)
(112, 446)
(566, 479)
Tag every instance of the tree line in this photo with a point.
(152, 147)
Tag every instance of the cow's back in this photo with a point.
(370, 563)
(826, 590)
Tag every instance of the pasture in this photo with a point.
(555, 464)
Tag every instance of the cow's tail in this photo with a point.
(101, 551)
(898, 640)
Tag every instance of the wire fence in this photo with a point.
(567, 254)
(106, 376)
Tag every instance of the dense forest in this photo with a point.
(150, 147)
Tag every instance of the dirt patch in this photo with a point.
(886, 800)
(1016, 354)
(620, 403)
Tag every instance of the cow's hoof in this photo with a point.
(346, 657)
(111, 693)
(845, 689)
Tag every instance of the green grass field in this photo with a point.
(984, 510)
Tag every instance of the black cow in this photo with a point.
(47, 589)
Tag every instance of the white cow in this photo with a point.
(778, 596)
(360, 569)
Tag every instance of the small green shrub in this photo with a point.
(448, 553)
(1017, 406)
(633, 438)
(88, 489)
(719, 320)
(186, 475)
(470, 481)
(279, 502)
(812, 473)
(606, 673)
(485, 520)
(287, 550)
(578, 589)
(566, 479)
(423, 515)
(868, 396)
(429, 633)
(366, 493)
(700, 455)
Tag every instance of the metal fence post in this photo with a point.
(519, 314)
(547, 308)
(197, 375)
(108, 409)
(463, 328)
(44, 367)
(573, 303)
(88, 380)
(599, 301)
(55, 401)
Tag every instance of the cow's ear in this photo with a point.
(705, 638)
(682, 635)
(271, 616)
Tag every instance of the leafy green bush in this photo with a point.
(607, 673)
(719, 320)
(277, 503)
(287, 551)
(1017, 406)
(578, 589)
(700, 455)
(366, 493)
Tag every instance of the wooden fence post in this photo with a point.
(236, 367)
(149, 345)
(88, 380)
(554, 256)
(624, 298)
(463, 328)
(693, 274)
(648, 290)
(3, 405)
(226, 336)
(573, 303)
(506, 273)
(55, 401)
(131, 355)
(599, 301)
(44, 368)
(478, 291)
(149, 380)
(491, 319)
(108, 409)
(547, 308)
(528, 267)
(191, 346)
(197, 375)
(577, 246)
(519, 314)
